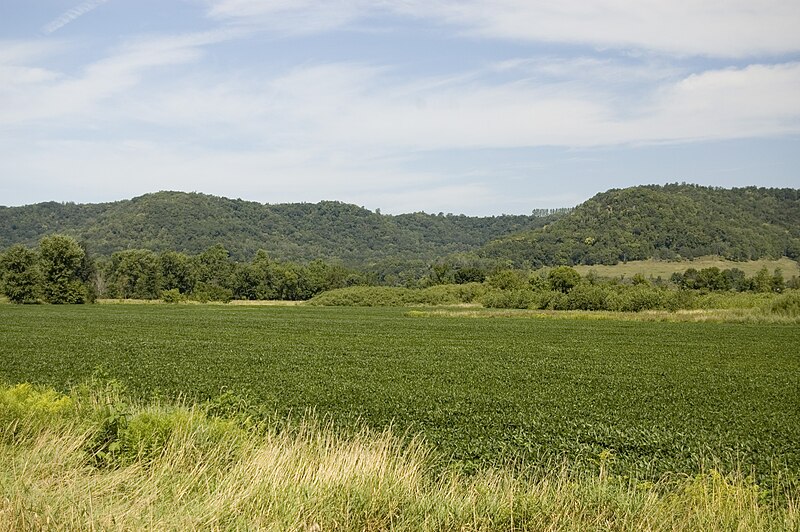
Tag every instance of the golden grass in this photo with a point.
(212, 474)
(665, 269)
(235, 302)
(735, 315)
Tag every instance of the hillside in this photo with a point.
(664, 222)
(191, 222)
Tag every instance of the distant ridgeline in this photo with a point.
(663, 222)
(675, 221)
(191, 223)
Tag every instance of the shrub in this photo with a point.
(588, 297)
(205, 292)
(509, 299)
(679, 300)
(787, 304)
(392, 296)
(508, 280)
(636, 298)
(563, 279)
(173, 295)
(551, 300)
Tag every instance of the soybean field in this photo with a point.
(647, 399)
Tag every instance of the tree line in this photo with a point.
(61, 270)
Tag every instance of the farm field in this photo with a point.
(652, 398)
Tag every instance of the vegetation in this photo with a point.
(192, 223)
(669, 222)
(384, 296)
(95, 460)
(653, 269)
(661, 398)
(60, 271)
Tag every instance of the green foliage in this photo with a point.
(21, 279)
(178, 469)
(299, 232)
(133, 274)
(389, 296)
(589, 297)
(665, 222)
(787, 304)
(508, 280)
(563, 279)
(519, 298)
(61, 261)
(25, 409)
(662, 397)
(173, 295)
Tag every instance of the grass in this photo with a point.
(665, 269)
(663, 398)
(755, 315)
(234, 302)
(213, 473)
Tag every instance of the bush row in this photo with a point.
(620, 298)
(390, 296)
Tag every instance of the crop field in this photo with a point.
(644, 398)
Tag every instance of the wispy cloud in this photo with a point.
(719, 28)
(236, 111)
(72, 14)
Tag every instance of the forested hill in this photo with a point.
(666, 222)
(191, 223)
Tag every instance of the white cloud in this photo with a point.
(155, 115)
(28, 93)
(723, 28)
(72, 14)
(345, 105)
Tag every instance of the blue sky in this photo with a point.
(470, 106)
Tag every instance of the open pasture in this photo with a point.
(650, 398)
(663, 269)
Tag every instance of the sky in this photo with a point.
(458, 106)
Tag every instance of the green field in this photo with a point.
(661, 397)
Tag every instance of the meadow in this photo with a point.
(664, 269)
(640, 399)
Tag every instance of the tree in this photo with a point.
(563, 279)
(177, 272)
(762, 281)
(134, 274)
(21, 279)
(61, 259)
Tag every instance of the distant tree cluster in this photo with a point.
(563, 288)
(715, 280)
(213, 276)
(59, 271)
(669, 222)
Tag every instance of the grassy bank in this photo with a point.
(92, 460)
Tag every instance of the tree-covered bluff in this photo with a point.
(668, 222)
(192, 222)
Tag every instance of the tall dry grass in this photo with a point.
(176, 468)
